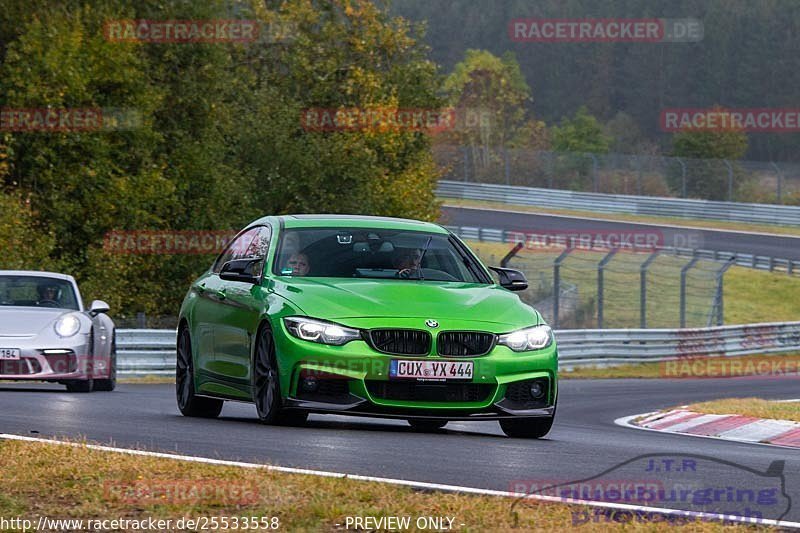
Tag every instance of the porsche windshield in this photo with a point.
(37, 291)
(374, 253)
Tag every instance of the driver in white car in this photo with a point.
(49, 295)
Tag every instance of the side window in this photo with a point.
(259, 246)
(252, 243)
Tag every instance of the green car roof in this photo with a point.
(353, 221)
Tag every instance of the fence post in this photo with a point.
(643, 289)
(557, 284)
(508, 167)
(720, 295)
(466, 163)
(683, 177)
(779, 175)
(600, 267)
(730, 179)
(684, 270)
(594, 172)
(638, 175)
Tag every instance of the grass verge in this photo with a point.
(81, 483)
(646, 219)
(755, 407)
(147, 380)
(753, 296)
(700, 367)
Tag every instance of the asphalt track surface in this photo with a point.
(583, 443)
(784, 247)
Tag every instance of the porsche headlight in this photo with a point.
(523, 340)
(67, 326)
(320, 331)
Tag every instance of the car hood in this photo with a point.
(345, 298)
(27, 321)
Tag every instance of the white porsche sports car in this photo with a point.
(46, 334)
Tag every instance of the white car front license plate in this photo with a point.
(9, 354)
(433, 370)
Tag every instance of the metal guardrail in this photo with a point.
(146, 352)
(760, 262)
(617, 203)
(152, 351)
(616, 346)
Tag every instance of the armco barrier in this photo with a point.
(617, 203)
(145, 352)
(615, 346)
(152, 351)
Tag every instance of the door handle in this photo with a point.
(221, 294)
(201, 288)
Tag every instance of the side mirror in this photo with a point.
(511, 279)
(97, 307)
(243, 270)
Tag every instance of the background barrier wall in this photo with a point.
(618, 203)
(152, 351)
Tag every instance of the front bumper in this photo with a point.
(355, 379)
(363, 407)
(67, 360)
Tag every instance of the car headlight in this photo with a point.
(67, 326)
(522, 340)
(320, 331)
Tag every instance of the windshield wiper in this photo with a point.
(424, 251)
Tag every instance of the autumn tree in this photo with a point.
(710, 157)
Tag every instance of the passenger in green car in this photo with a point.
(299, 264)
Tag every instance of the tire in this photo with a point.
(526, 428)
(109, 384)
(424, 424)
(266, 384)
(188, 403)
(85, 385)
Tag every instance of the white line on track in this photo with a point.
(416, 484)
(630, 222)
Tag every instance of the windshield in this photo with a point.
(37, 291)
(373, 253)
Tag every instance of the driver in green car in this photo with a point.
(409, 263)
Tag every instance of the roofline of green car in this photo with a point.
(350, 221)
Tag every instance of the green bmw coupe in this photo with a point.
(365, 316)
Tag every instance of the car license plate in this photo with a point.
(433, 370)
(9, 354)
